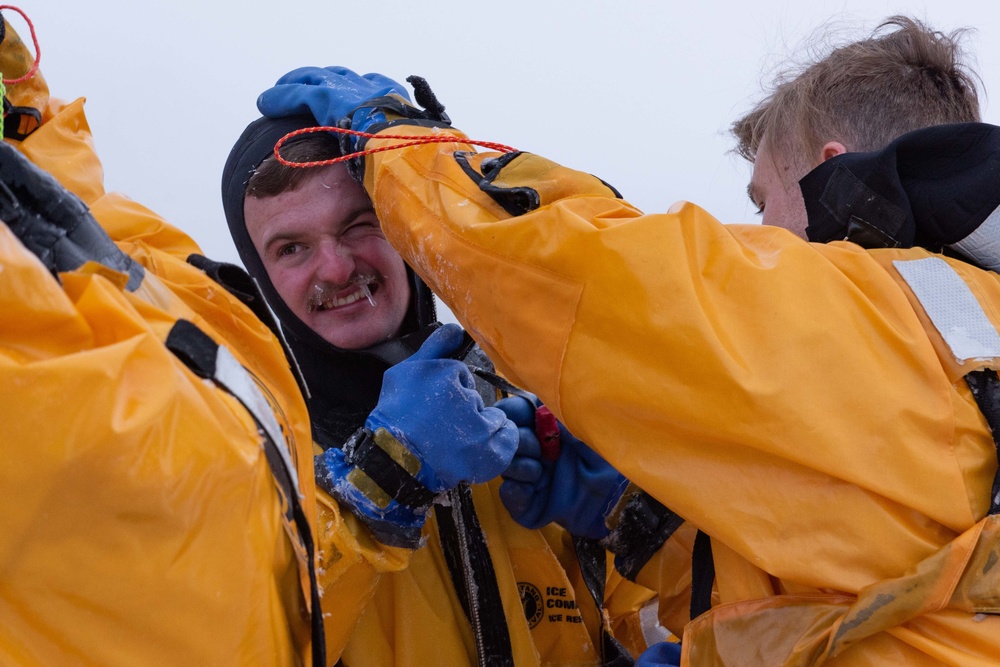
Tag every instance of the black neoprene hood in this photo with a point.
(343, 385)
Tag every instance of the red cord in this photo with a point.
(34, 40)
(409, 141)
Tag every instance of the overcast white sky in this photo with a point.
(638, 92)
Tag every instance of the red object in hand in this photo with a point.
(547, 432)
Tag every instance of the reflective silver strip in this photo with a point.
(649, 621)
(952, 307)
(230, 374)
(983, 244)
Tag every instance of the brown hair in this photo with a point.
(271, 178)
(865, 94)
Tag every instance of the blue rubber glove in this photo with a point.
(336, 96)
(577, 490)
(430, 404)
(662, 654)
(331, 95)
(432, 422)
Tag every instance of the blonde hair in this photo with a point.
(865, 94)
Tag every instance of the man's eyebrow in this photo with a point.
(278, 238)
(356, 213)
(751, 192)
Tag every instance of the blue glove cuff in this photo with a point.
(598, 528)
(366, 477)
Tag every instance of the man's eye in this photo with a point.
(362, 227)
(758, 204)
(289, 249)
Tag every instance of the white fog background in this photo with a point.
(638, 92)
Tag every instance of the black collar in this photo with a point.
(929, 188)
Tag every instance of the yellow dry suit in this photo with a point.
(155, 458)
(409, 609)
(795, 402)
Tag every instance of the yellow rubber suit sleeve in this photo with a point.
(139, 504)
(350, 567)
(723, 369)
(350, 562)
(141, 521)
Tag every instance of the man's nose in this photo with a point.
(335, 262)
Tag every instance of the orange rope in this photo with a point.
(34, 40)
(408, 141)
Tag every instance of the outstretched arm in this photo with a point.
(697, 359)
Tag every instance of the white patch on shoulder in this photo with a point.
(952, 307)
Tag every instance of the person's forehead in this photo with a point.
(777, 160)
(328, 183)
(774, 151)
(331, 174)
(762, 172)
(775, 173)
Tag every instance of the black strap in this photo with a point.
(464, 546)
(425, 97)
(985, 388)
(55, 224)
(394, 479)
(473, 576)
(199, 353)
(501, 383)
(246, 289)
(514, 200)
(19, 122)
(702, 575)
(642, 525)
(592, 557)
(239, 284)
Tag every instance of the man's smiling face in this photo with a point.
(324, 251)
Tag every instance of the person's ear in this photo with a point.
(831, 149)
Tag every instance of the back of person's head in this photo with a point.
(902, 77)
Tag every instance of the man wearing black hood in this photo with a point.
(399, 425)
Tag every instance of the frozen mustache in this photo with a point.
(324, 297)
